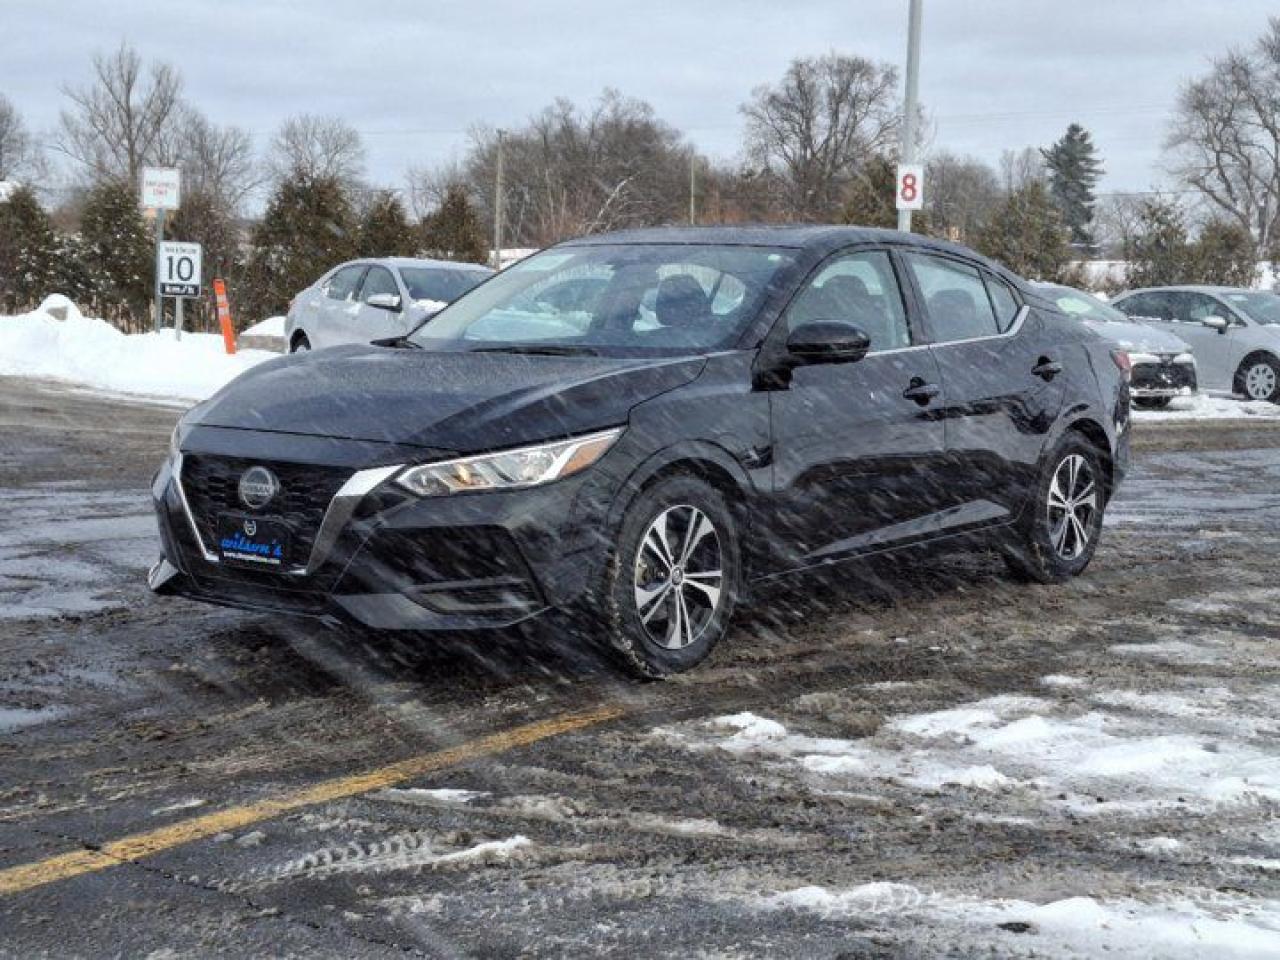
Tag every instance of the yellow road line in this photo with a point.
(77, 862)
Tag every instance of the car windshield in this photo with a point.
(618, 299)
(1081, 305)
(439, 283)
(1260, 307)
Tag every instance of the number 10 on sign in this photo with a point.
(910, 195)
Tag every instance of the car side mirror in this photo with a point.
(385, 301)
(827, 341)
(1216, 323)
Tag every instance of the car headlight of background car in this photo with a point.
(510, 469)
(1184, 358)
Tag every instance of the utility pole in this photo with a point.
(693, 187)
(909, 108)
(497, 209)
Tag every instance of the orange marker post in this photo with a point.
(224, 315)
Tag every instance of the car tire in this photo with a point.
(1058, 535)
(666, 599)
(1152, 403)
(1259, 378)
(300, 344)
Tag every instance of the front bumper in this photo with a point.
(376, 556)
(1160, 378)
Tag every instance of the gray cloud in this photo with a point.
(415, 76)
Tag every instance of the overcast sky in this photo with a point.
(414, 75)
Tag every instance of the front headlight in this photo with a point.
(175, 441)
(1136, 358)
(1184, 358)
(525, 467)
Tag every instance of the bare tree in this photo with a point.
(571, 171)
(122, 121)
(1225, 137)
(19, 155)
(216, 161)
(428, 187)
(317, 147)
(961, 194)
(1021, 168)
(826, 116)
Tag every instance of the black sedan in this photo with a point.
(727, 405)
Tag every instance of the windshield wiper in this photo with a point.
(398, 343)
(542, 350)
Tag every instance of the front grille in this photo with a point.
(1164, 375)
(211, 484)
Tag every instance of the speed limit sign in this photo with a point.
(910, 194)
(178, 267)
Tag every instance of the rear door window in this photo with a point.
(1152, 306)
(955, 298)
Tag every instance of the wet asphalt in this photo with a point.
(121, 714)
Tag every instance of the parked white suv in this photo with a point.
(1234, 333)
(367, 300)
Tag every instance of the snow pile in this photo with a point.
(1084, 926)
(1204, 406)
(95, 354)
(270, 327)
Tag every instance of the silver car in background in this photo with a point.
(366, 300)
(1234, 333)
(1163, 364)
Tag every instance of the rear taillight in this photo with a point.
(1121, 358)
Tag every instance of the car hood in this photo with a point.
(464, 402)
(1138, 337)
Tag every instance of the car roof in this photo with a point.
(1189, 288)
(818, 238)
(419, 262)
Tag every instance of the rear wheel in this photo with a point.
(1152, 403)
(1259, 379)
(672, 581)
(1060, 534)
(300, 344)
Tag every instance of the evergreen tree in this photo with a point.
(1157, 251)
(28, 252)
(1225, 254)
(453, 232)
(309, 226)
(1027, 234)
(1074, 170)
(385, 230)
(119, 254)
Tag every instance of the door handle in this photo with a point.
(921, 392)
(1047, 369)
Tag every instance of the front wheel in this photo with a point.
(300, 344)
(1058, 537)
(1259, 379)
(673, 578)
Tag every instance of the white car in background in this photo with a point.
(366, 300)
(1234, 333)
(1163, 364)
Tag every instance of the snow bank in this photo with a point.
(95, 354)
(1204, 406)
(270, 327)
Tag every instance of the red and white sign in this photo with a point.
(910, 192)
(161, 188)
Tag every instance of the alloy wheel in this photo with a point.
(679, 576)
(1260, 381)
(1072, 502)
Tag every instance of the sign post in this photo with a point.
(161, 192)
(178, 275)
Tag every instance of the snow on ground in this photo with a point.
(1140, 764)
(1204, 406)
(94, 354)
(270, 327)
